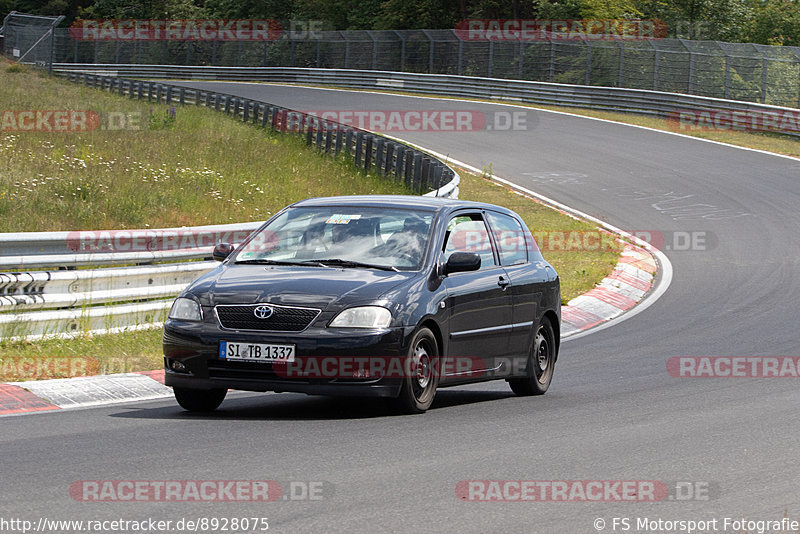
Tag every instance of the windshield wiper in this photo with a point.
(350, 263)
(263, 261)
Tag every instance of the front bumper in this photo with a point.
(196, 346)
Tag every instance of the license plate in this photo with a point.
(255, 352)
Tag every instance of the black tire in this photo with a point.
(541, 362)
(199, 400)
(417, 392)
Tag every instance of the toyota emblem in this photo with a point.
(263, 312)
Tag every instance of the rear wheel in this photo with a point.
(541, 361)
(199, 400)
(419, 386)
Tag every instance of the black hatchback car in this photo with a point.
(387, 296)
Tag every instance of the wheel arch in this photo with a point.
(554, 323)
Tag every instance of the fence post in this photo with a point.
(552, 60)
(491, 59)
(727, 75)
(621, 63)
(587, 79)
(521, 58)
(764, 67)
(460, 56)
(655, 70)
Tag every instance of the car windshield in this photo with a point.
(358, 237)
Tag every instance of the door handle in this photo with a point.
(503, 283)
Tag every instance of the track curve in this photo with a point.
(613, 411)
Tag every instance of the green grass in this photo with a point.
(200, 168)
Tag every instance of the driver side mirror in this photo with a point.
(460, 262)
(222, 251)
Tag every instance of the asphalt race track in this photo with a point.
(614, 412)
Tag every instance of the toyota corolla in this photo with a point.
(387, 296)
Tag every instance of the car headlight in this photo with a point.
(185, 310)
(363, 317)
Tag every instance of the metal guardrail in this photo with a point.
(68, 300)
(640, 101)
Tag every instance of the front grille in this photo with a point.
(241, 370)
(282, 319)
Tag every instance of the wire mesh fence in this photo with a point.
(737, 71)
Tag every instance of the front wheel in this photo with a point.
(199, 400)
(541, 361)
(422, 376)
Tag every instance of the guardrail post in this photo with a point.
(139, 90)
(425, 174)
(388, 167)
(208, 99)
(227, 105)
(348, 141)
(379, 163)
(309, 129)
(368, 153)
(256, 108)
(416, 184)
(181, 96)
(216, 101)
(337, 147)
(318, 140)
(246, 111)
(359, 144)
(438, 170)
(265, 117)
(169, 94)
(398, 166)
(120, 87)
(328, 138)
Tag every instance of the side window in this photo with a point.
(468, 233)
(510, 239)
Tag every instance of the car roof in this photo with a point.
(399, 201)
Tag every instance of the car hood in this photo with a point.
(317, 287)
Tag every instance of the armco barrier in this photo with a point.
(638, 101)
(138, 290)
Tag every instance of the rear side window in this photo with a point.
(510, 239)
